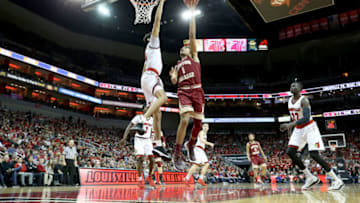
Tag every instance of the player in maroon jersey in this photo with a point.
(253, 150)
(187, 76)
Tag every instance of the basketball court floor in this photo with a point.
(289, 193)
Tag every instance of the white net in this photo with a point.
(143, 10)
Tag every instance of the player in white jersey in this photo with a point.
(143, 148)
(151, 82)
(200, 156)
(306, 132)
(158, 160)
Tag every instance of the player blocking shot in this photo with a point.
(200, 157)
(253, 150)
(143, 149)
(187, 76)
(152, 85)
(307, 132)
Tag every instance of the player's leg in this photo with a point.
(151, 168)
(159, 149)
(158, 162)
(263, 172)
(139, 168)
(139, 153)
(154, 95)
(191, 171)
(202, 174)
(297, 139)
(198, 102)
(315, 144)
(255, 169)
(181, 132)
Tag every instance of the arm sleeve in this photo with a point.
(305, 118)
(154, 42)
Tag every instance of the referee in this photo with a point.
(70, 154)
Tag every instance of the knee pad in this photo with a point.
(159, 164)
(314, 154)
(196, 128)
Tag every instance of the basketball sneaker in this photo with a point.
(336, 184)
(141, 184)
(178, 163)
(138, 127)
(190, 151)
(201, 182)
(187, 182)
(310, 181)
(150, 181)
(161, 152)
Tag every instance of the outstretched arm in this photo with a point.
(156, 27)
(126, 133)
(192, 33)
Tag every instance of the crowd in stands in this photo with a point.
(32, 151)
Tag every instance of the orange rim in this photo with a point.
(143, 4)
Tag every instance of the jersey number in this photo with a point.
(183, 70)
(295, 116)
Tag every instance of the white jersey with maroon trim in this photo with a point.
(148, 125)
(199, 143)
(296, 109)
(153, 58)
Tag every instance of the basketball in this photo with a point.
(188, 3)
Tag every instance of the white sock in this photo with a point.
(307, 172)
(332, 175)
(187, 177)
(201, 177)
(140, 178)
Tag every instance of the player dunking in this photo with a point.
(253, 150)
(151, 83)
(306, 131)
(200, 156)
(143, 148)
(187, 76)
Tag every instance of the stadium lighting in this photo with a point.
(186, 15)
(104, 10)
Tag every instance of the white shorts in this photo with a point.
(310, 135)
(200, 156)
(150, 84)
(143, 147)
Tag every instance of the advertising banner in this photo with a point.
(92, 176)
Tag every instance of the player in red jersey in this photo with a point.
(253, 150)
(187, 76)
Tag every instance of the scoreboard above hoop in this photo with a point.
(89, 5)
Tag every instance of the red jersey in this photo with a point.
(189, 72)
(254, 148)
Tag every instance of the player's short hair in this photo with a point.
(147, 37)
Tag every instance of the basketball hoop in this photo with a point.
(333, 147)
(143, 10)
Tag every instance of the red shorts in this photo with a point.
(192, 100)
(257, 160)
